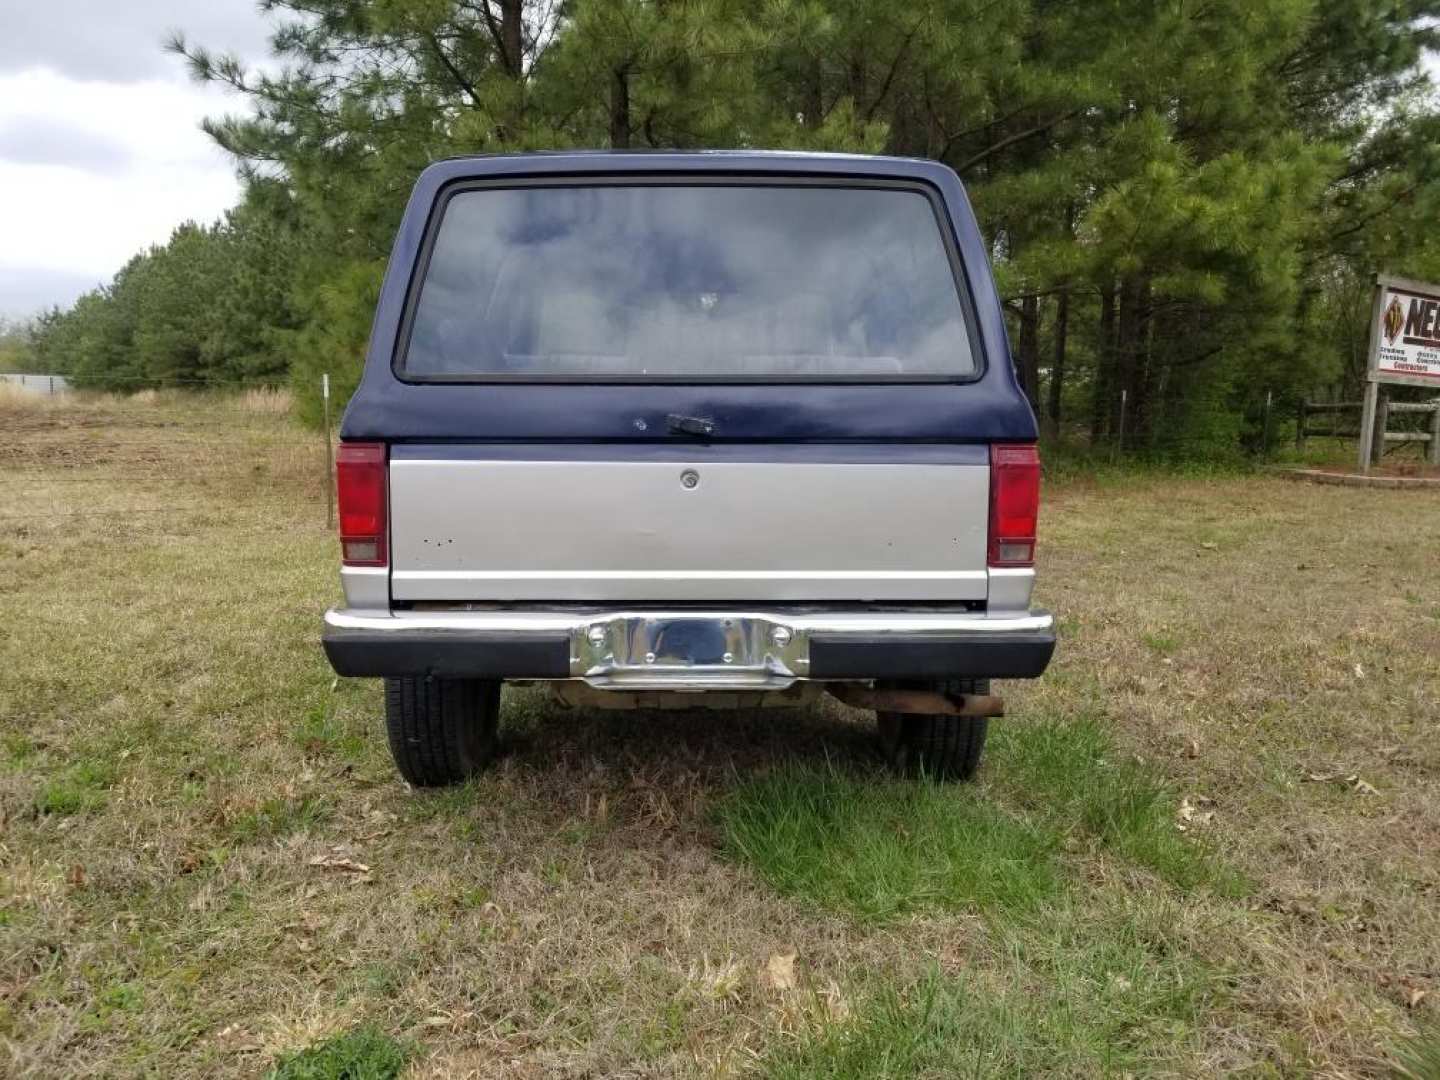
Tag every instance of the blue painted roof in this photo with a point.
(988, 409)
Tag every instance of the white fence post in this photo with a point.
(329, 455)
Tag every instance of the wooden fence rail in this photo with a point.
(1384, 408)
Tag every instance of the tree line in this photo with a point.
(1184, 199)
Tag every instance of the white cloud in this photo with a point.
(35, 140)
(101, 152)
(68, 207)
(23, 292)
(122, 40)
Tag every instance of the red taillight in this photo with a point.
(1014, 504)
(360, 485)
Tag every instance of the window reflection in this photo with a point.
(696, 281)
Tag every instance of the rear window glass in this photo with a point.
(690, 282)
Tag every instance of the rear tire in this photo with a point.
(941, 747)
(442, 731)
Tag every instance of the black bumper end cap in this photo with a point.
(361, 654)
(1016, 656)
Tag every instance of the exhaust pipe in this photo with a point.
(930, 702)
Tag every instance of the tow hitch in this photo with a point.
(931, 702)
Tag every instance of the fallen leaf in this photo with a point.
(341, 863)
(76, 877)
(1415, 997)
(835, 1003)
(1359, 672)
(1360, 787)
(1187, 815)
(779, 971)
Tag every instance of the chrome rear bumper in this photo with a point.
(690, 650)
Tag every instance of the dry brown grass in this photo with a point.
(176, 752)
(267, 400)
(16, 398)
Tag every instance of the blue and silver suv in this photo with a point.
(701, 429)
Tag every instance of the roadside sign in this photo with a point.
(1405, 340)
(1404, 346)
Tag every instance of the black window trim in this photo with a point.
(420, 270)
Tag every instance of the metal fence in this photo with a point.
(37, 384)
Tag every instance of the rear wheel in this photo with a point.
(442, 731)
(944, 747)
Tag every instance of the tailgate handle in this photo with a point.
(702, 426)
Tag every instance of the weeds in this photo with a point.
(278, 817)
(1069, 774)
(1418, 1058)
(80, 789)
(321, 731)
(881, 848)
(366, 1053)
(266, 400)
(1109, 1009)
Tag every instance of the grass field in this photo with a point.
(1208, 842)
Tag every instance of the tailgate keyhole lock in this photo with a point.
(689, 479)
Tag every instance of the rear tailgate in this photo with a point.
(641, 523)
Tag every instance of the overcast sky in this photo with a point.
(101, 153)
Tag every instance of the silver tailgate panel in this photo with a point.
(467, 530)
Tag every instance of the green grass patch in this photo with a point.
(1164, 644)
(365, 1053)
(19, 747)
(320, 731)
(880, 848)
(434, 804)
(1070, 774)
(79, 789)
(277, 817)
(1418, 1057)
(1068, 462)
(1078, 994)
(112, 1002)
